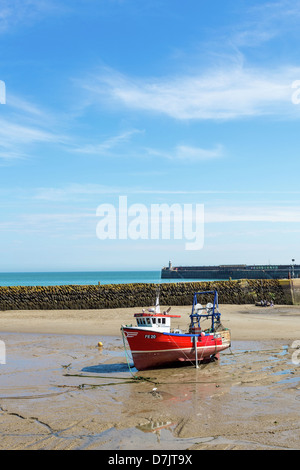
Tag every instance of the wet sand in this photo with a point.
(58, 390)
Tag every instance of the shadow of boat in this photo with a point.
(108, 368)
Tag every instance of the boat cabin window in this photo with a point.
(163, 320)
(145, 321)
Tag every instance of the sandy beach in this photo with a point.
(59, 390)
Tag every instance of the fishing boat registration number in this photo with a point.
(150, 336)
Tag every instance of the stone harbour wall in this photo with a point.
(143, 295)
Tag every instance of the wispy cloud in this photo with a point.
(10, 131)
(66, 224)
(223, 92)
(266, 213)
(74, 192)
(215, 212)
(264, 22)
(107, 145)
(228, 87)
(24, 124)
(14, 13)
(24, 106)
(189, 153)
(16, 139)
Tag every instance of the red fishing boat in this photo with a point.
(154, 343)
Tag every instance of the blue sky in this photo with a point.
(160, 101)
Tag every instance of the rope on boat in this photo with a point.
(96, 376)
(188, 359)
(126, 354)
(201, 354)
(134, 377)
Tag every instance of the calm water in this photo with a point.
(81, 278)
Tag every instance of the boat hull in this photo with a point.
(152, 350)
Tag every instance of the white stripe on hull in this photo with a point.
(214, 348)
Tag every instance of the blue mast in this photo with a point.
(205, 312)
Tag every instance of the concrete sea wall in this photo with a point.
(143, 295)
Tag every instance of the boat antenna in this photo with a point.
(157, 306)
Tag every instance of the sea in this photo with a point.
(82, 278)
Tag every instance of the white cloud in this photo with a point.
(22, 134)
(225, 92)
(68, 225)
(25, 124)
(188, 153)
(107, 145)
(264, 22)
(22, 105)
(283, 214)
(15, 139)
(74, 192)
(14, 13)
